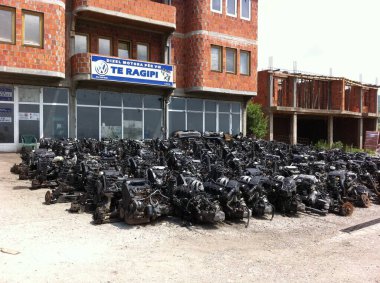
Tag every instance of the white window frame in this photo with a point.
(221, 7)
(250, 10)
(204, 112)
(121, 108)
(231, 15)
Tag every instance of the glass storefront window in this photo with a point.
(177, 104)
(235, 107)
(195, 121)
(235, 124)
(87, 97)
(177, 122)
(6, 123)
(111, 123)
(29, 120)
(190, 114)
(29, 94)
(55, 121)
(224, 123)
(133, 124)
(87, 122)
(224, 107)
(55, 95)
(210, 122)
(111, 99)
(152, 101)
(132, 100)
(210, 106)
(195, 104)
(152, 124)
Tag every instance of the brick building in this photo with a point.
(306, 108)
(126, 69)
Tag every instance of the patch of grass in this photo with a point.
(323, 145)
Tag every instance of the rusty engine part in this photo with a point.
(198, 178)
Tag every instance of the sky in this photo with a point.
(321, 34)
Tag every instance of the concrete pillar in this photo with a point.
(295, 92)
(375, 124)
(165, 106)
(72, 113)
(330, 130)
(361, 100)
(270, 126)
(270, 90)
(360, 133)
(293, 129)
(166, 45)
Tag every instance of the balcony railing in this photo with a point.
(141, 13)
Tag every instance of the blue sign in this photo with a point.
(131, 71)
(6, 93)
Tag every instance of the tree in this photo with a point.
(257, 123)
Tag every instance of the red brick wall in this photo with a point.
(81, 64)
(337, 95)
(143, 8)
(49, 58)
(372, 100)
(96, 30)
(263, 89)
(355, 98)
(200, 17)
(193, 53)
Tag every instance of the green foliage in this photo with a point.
(257, 123)
(351, 149)
(322, 145)
(338, 145)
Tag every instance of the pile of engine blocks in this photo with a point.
(199, 178)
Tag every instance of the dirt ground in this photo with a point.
(56, 246)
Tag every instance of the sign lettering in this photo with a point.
(131, 71)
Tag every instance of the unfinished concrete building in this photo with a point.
(304, 108)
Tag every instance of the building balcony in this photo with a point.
(145, 14)
(107, 69)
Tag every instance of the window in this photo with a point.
(245, 9)
(231, 7)
(245, 63)
(81, 43)
(231, 60)
(216, 58)
(55, 112)
(7, 25)
(142, 52)
(124, 49)
(104, 46)
(204, 115)
(32, 26)
(216, 6)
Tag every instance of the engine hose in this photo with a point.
(155, 192)
(273, 209)
(247, 224)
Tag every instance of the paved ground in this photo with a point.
(56, 246)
